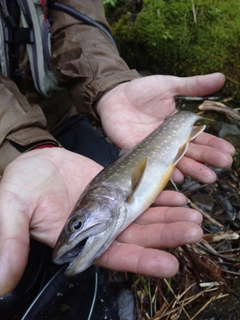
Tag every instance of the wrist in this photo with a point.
(106, 99)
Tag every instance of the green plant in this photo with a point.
(110, 2)
(181, 37)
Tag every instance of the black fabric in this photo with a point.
(66, 298)
(10, 33)
(77, 135)
(57, 300)
(14, 13)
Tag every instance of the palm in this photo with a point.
(132, 110)
(129, 112)
(50, 182)
(37, 193)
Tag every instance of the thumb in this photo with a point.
(199, 85)
(14, 241)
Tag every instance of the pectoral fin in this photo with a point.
(180, 154)
(196, 130)
(136, 177)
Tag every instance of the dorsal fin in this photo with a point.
(136, 177)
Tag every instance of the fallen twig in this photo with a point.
(219, 107)
(219, 236)
(205, 215)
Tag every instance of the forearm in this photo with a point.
(22, 126)
(83, 58)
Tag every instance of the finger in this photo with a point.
(161, 235)
(169, 215)
(205, 149)
(170, 198)
(196, 170)
(215, 142)
(177, 176)
(132, 258)
(198, 85)
(14, 242)
(209, 155)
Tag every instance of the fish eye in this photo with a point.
(75, 224)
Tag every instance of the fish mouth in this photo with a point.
(92, 249)
(70, 255)
(67, 250)
(82, 254)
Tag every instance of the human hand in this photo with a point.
(37, 194)
(133, 109)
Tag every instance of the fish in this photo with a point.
(122, 191)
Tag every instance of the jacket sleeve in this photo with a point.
(84, 60)
(22, 126)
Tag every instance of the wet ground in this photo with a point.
(226, 308)
(221, 202)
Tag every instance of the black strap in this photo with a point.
(15, 35)
(14, 13)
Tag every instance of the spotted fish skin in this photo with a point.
(122, 191)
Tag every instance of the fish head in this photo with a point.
(90, 228)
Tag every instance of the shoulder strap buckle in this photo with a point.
(18, 35)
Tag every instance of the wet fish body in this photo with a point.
(122, 191)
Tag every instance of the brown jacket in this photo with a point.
(85, 63)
